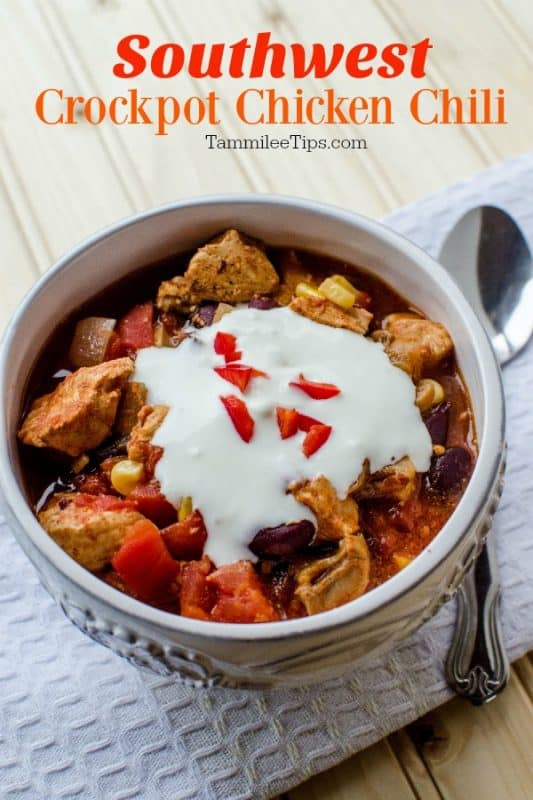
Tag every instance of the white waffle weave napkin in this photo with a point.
(78, 722)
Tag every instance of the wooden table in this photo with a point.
(59, 184)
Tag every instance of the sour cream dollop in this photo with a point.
(241, 488)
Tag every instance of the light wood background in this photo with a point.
(57, 185)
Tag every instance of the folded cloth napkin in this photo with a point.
(76, 721)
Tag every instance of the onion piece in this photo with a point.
(90, 341)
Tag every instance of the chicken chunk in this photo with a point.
(88, 532)
(398, 482)
(414, 344)
(336, 518)
(79, 414)
(133, 399)
(332, 581)
(148, 421)
(230, 269)
(324, 311)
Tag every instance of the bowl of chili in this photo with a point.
(287, 651)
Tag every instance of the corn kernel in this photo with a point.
(337, 293)
(185, 508)
(438, 450)
(125, 475)
(342, 281)
(307, 290)
(402, 561)
(428, 393)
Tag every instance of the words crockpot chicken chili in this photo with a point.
(273, 435)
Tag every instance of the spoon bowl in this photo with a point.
(489, 258)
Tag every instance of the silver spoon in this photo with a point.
(487, 255)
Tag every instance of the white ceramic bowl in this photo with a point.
(288, 652)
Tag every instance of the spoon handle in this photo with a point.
(477, 666)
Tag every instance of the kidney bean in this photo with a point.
(283, 540)
(262, 302)
(204, 315)
(450, 468)
(437, 423)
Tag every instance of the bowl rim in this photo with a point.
(478, 491)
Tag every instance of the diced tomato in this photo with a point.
(226, 345)
(115, 347)
(147, 498)
(143, 561)
(196, 595)
(306, 423)
(287, 421)
(315, 438)
(239, 595)
(185, 540)
(315, 390)
(135, 329)
(240, 416)
(102, 502)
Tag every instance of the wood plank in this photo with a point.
(408, 145)
(524, 670)
(490, 58)
(19, 270)
(22, 215)
(515, 16)
(344, 177)
(479, 752)
(68, 182)
(373, 774)
(157, 169)
(412, 764)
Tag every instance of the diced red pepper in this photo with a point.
(239, 595)
(102, 502)
(143, 561)
(147, 498)
(185, 540)
(315, 438)
(239, 374)
(287, 421)
(315, 390)
(135, 328)
(226, 345)
(306, 423)
(240, 416)
(196, 595)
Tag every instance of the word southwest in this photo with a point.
(269, 107)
